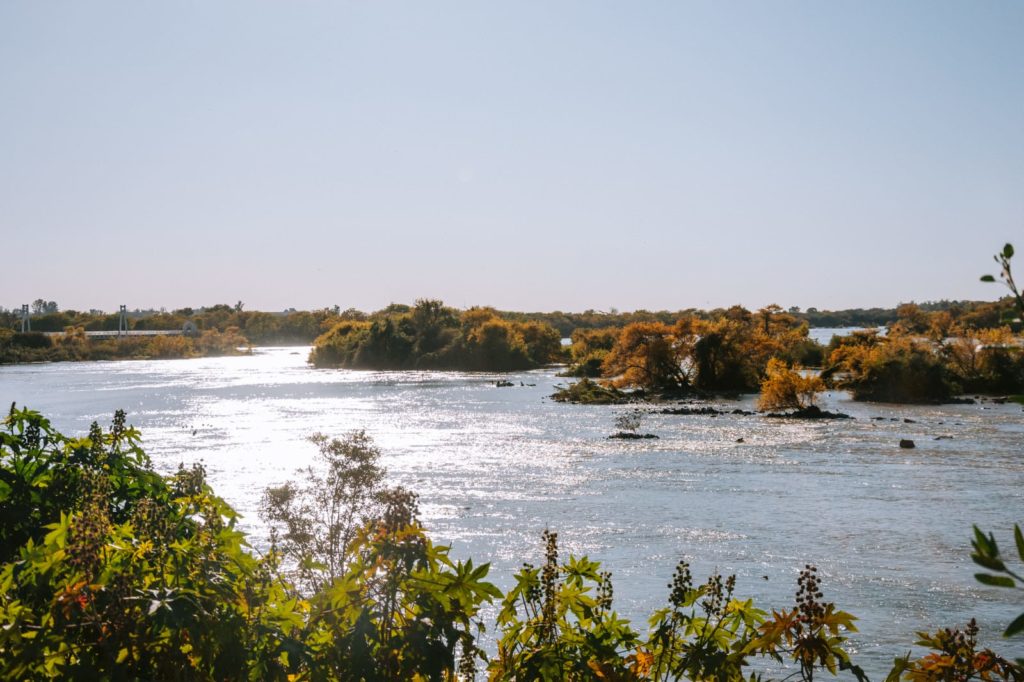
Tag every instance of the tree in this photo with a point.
(647, 354)
(315, 521)
(893, 369)
(766, 314)
(722, 356)
(786, 388)
(430, 318)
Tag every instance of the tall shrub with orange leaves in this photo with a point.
(786, 388)
(648, 354)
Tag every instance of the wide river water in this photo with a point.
(889, 528)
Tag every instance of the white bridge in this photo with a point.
(114, 333)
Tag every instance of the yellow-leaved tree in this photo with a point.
(787, 388)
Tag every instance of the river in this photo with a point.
(889, 528)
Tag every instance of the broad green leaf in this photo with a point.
(988, 562)
(993, 580)
(1015, 627)
(985, 544)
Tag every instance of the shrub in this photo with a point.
(986, 361)
(111, 570)
(894, 370)
(31, 340)
(589, 392)
(785, 388)
(648, 355)
(431, 336)
(314, 522)
(588, 351)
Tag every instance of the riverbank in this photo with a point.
(75, 346)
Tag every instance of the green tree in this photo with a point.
(314, 522)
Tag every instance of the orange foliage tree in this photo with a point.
(786, 388)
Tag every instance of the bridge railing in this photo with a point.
(133, 332)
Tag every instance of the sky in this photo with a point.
(527, 155)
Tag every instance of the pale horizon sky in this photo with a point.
(528, 155)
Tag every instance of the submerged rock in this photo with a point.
(812, 412)
(907, 444)
(691, 410)
(703, 410)
(629, 435)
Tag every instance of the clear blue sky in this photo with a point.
(528, 155)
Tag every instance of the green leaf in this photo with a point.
(988, 562)
(1008, 251)
(1016, 626)
(987, 547)
(988, 278)
(1018, 537)
(899, 665)
(993, 580)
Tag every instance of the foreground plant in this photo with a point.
(402, 610)
(557, 624)
(1003, 259)
(381, 600)
(314, 523)
(111, 570)
(986, 553)
(954, 657)
(703, 633)
(811, 634)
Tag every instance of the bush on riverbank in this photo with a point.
(892, 369)
(729, 353)
(786, 388)
(988, 361)
(74, 345)
(111, 571)
(432, 336)
(587, 392)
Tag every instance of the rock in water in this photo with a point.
(906, 443)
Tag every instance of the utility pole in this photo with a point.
(26, 321)
(122, 321)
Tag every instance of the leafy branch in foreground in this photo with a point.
(954, 657)
(1005, 274)
(986, 554)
